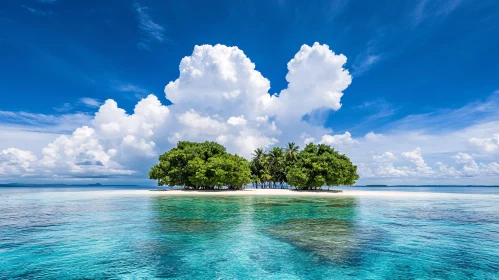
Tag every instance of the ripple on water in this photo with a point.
(87, 236)
(270, 204)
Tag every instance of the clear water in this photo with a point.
(73, 233)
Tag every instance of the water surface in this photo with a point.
(82, 234)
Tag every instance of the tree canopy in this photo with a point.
(207, 165)
(320, 165)
(313, 167)
(201, 166)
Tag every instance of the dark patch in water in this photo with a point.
(163, 208)
(299, 200)
(270, 204)
(187, 225)
(339, 205)
(328, 238)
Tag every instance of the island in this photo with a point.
(208, 166)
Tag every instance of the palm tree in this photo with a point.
(275, 154)
(291, 154)
(276, 165)
(258, 166)
(258, 155)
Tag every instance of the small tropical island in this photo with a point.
(208, 166)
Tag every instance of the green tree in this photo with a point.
(259, 168)
(320, 165)
(291, 152)
(291, 155)
(276, 166)
(201, 166)
(237, 172)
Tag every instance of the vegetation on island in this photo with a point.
(311, 168)
(208, 166)
(201, 166)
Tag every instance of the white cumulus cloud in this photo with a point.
(487, 145)
(237, 121)
(338, 140)
(220, 96)
(16, 162)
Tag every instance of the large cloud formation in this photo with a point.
(220, 96)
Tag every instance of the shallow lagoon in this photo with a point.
(86, 234)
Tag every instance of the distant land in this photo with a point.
(64, 185)
(430, 186)
(132, 185)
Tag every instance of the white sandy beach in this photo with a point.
(284, 192)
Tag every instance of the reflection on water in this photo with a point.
(83, 235)
(325, 227)
(330, 236)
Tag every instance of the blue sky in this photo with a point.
(413, 63)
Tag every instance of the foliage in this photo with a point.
(320, 165)
(292, 151)
(313, 167)
(201, 166)
(208, 165)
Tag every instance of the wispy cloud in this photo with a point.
(383, 110)
(31, 131)
(364, 63)
(369, 56)
(25, 121)
(85, 102)
(130, 88)
(90, 102)
(426, 10)
(335, 7)
(378, 110)
(381, 106)
(450, 119)
(327, 10)
(64, 108)
(390, 40)
(152, 30)
(144, 45)
(35, 11)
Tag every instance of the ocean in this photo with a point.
(64, 232)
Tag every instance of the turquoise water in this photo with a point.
(82, 234)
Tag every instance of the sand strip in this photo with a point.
(286, 192)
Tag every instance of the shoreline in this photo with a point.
(285, 192)
(251, 192)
